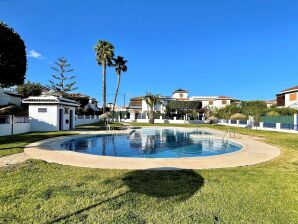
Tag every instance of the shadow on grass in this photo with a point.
(85, 209)
(177, 184)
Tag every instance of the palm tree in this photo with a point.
(151, 100)
(120, 66)
(104, 55)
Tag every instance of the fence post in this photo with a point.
(174, 118)
(229, 121)
(11, 122)
(261, 124)
(296, 122)
(278, 126)
(238, 122)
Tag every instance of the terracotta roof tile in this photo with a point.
(289, 89)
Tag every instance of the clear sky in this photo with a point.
(244, 49)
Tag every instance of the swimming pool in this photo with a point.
(153, 143)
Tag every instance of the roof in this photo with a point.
(137, 98)
(203, 97)
(212, 98)
(225, 97)
(294, 88)
(12, 94)
(180, 91)
(50, 100)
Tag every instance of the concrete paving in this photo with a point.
(13, 159)
(253, 152)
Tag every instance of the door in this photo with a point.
(60, 119)
(71, 112)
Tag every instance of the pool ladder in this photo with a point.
(228, 134)
(109, 128)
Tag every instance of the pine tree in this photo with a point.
(64, 83)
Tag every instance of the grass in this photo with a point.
(100, 126)
(40, 192)
(15, 143)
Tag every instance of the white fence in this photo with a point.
(80, 120)
(165, 121)
(291, 128)
(14, 125)
(22, 125)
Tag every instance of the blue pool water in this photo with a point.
(152, 143)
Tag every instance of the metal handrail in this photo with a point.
(228, 134)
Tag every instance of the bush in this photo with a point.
(238, 116)
(273, 113)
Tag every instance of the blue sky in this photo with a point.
(244, 49)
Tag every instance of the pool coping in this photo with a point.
(253, 152)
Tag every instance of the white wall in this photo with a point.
(177, 95)
(287, 100)
(6, 99)
(157, 107)
(5, 129)
(18, 128)
(218, 103)
(87, 120)
(47, 121)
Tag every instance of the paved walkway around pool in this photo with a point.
(253, 152)
(13, 159)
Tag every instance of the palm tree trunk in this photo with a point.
(104, 99)
(151, 116)
(117, 89)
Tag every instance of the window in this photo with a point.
(224, 102)
(66, 110)
(4, 119)
(293, 96)
(181, 95)
(42, 110)
(210, 102)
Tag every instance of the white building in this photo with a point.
(8, 96)
(138, 104)
(215, 101)
(288, 98)
(51, 113)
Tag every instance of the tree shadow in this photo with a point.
(94, 205)
(175, 184)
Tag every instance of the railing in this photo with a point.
(21, 120)
(233, 122)
(269, 125)
(288, 126)
(243, 122)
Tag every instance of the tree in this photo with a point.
(13, 61)
(83, 100)
(120, 66)
(62, 86)
(30, 89)
(151, 100)
(104, 55)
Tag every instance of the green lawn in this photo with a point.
(40, 192)
(100, 126)
(15, 143)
